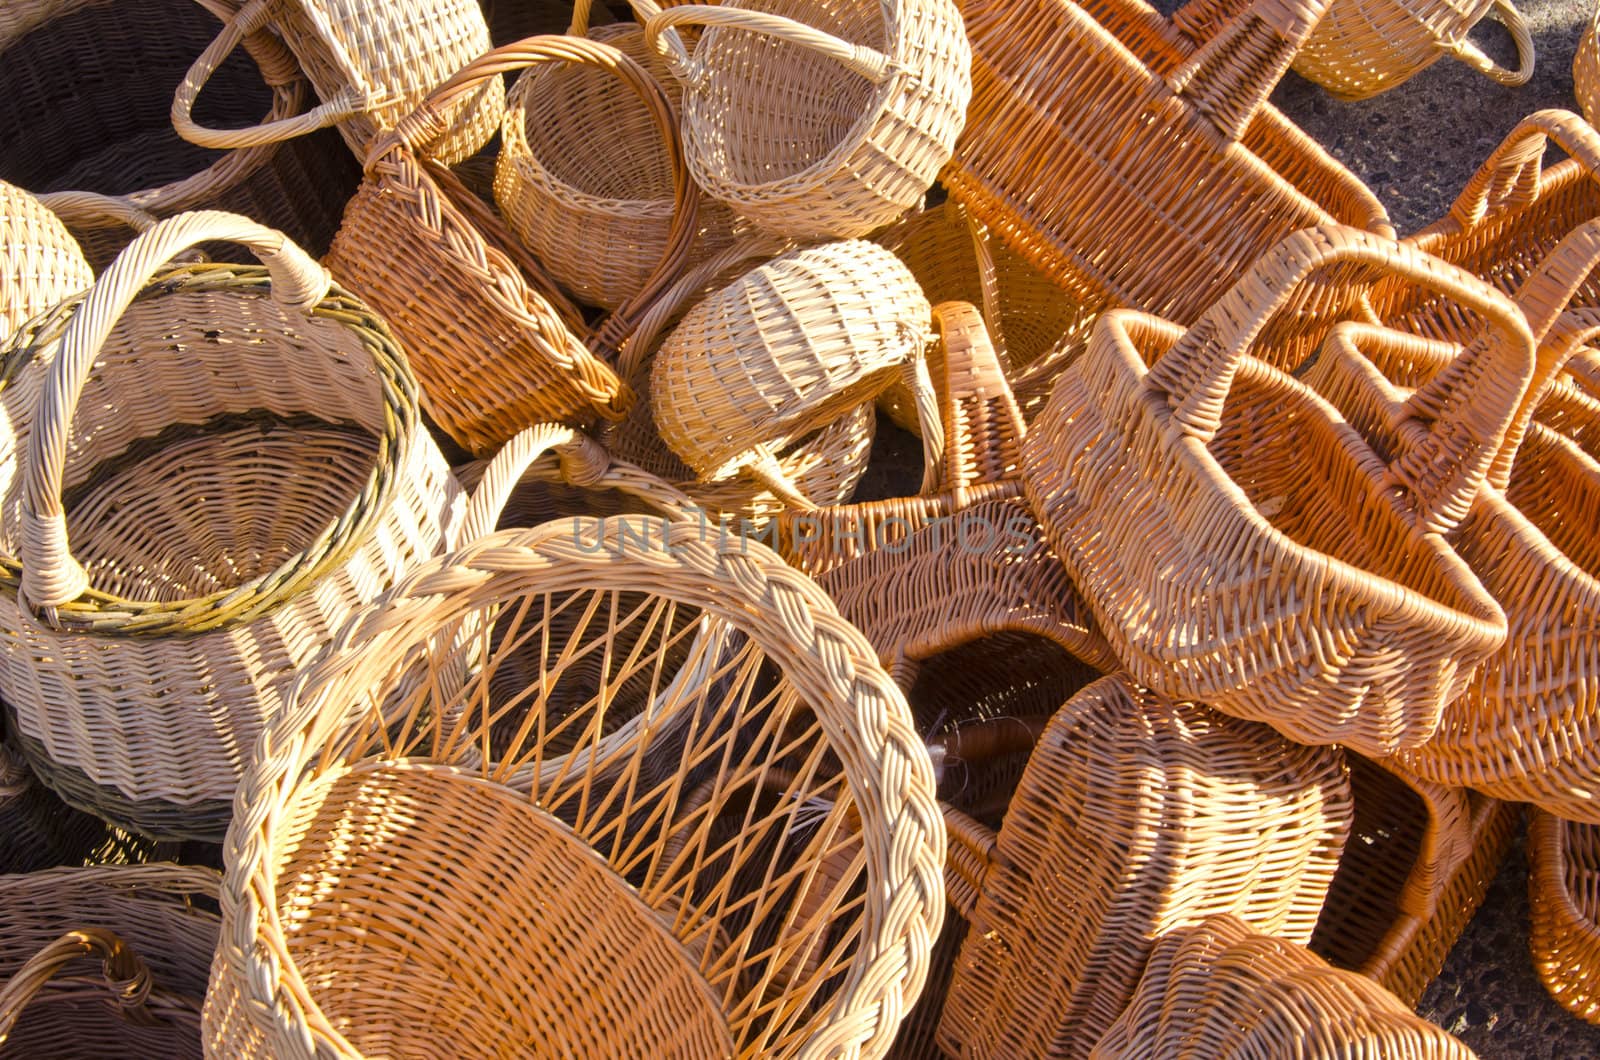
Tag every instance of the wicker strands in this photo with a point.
(40, 263)
(1227, 526)
(98, 962)
(1586, 70)
(201, 477)
(1135, 816)
(38, 830)
(818, 120)
(1133, 168)
(371, 64)
(747, 866)
(1224, 991)
(1564, 877)
(785, 350)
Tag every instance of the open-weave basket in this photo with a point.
(107, 961)
(494, 344)
(1134, 168)
(1136, 815)
(40, 263)
(1563, 882)
(87, 89)
(711, 762)
(1225, 991)
(203, 471)
(818, 120)
(1228, 527)
(371, 64)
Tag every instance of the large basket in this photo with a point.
(371, 65)
(494, 344)
(63, 128)
(98, 962)
(40, 263)
(1225, 991)
(204, 472)
(1228, 528)
(818, 120)
(1564, 862)
(1133, 168)
(747, 865)
(1135, 816)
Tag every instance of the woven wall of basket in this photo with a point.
(40, 262)
(746, 868)
(128, 949)
(163, 574)
(1224, 990)
(1213, 486)
(1586, 71)
(1060, 87)
(1135, 815)
(38, 830)
(111, 133)
(1563, 881)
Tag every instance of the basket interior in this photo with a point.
(1557, 486)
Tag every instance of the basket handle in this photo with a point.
(127, 977)
(978, 410)
(1506, 13)
(659, 26)
(1510, 177)
(252, 18)
(1229, 78)
(1569, 336)
(88, 210)
(50, 575)
(1460, 422)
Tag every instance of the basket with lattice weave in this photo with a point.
(40, 262)
(1564, 870)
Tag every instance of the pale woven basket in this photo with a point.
(40, 263)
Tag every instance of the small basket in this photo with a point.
(1564, 862)
(1586, 69)
(371, 65)
(1225, 991)
(1227, 526)
(150, 941)
(40, 263)
(670, 835)
(1135, 816)
(818, 120)
(268, 474)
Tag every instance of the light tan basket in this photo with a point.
(1135, 816)
(371, 65)
(818, 120)
(1228, 528)
(204, 470)
(141, 997)
(40, 263)
(1564, 862)
(673, 834)
(1223, 990)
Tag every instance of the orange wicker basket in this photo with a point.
(1564, 859)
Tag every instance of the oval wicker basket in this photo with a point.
(40, 263)
(172, 551)
(705, 913)
(1564, 869)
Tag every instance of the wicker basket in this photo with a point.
(1586, 70)
(371, 65)
(494, 343)
(818, 120)
(1564, 863)
(1224, 991)
(1227, 527)
(40, 263)
(746, 868)
(1131, 167)
(1135, 816)
(38, 830)
(267, 474)
(61, 129)
(139, 996)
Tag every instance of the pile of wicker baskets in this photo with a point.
(777, 528)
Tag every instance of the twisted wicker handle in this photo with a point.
(659, 33)
(127, 977)
(1507, 15)
(1510, 177)
(1460, 419)
(253, 18)
(1229, 78)
(50, 575)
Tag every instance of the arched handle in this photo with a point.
(1230, 77)
(252, 18)
(978, 410)
(50, 576)
(1571, 335)
(660, 35)
(1506, 13)
(1461, 420)
(1510, 177)
(127, 978)
(89, 210)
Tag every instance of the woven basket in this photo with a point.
(1223, 990)
(495, 345)
(818, 120)
(40, 263)
(786, 349)
(371, 65)
(127, 949)
(1135, 816)
(267, 474)
(1131, 167)
(61, 129)
(744, 867)
(1227, 527)
(1564, 863)
(38, 830)
(1586, 70)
